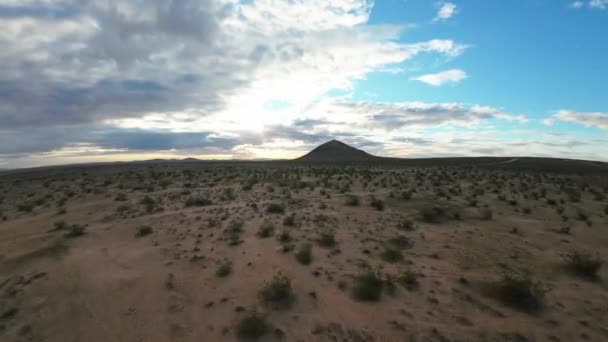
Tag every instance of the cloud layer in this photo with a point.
(228, 78)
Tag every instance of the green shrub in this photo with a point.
(275, 208)
(391, 254)
(377, 204)
(304, 254)
(224, 270)
(252, 327)
(198, 201)
(520, 291)
(584, 264)
(25, 207)
(75, 231)
(352, 200)
(409, 280)
(143, 231)
(407, 225)
(278, 292)
(289, 220)
(406, 195)
(486, 214)
(368, 287)
(327, 238)
(433, 214)
(400, 242)
(265, 230)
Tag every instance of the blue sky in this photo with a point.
(222, 79)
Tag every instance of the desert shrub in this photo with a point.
(405, 195)
(278, 292)
(60, 225)
(25, 207)
(198, 201)
(520, 291)
(75, 231)
(123, 208)
(326, 238)
(352, 200)
(304, 254)
(391, 254)
(407, 225)
(409, 280)
(581, 216)
(224, 270)
(434, 214)
(527, 210)
(143, 231)
(252, 327)
(265, 230)
(368, 287)
(376, 203)
(486, 214)
(584, 264)
(289, 220)
(400, 242)
(120, 197)
(234, 230)
(148, 203)
(275, 208)
(284, 236)
(228, 194)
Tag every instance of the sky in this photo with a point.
(109, 80)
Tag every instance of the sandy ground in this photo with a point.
(109, 285)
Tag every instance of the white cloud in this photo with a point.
(593, 4)
(446, 11)
(548, 122)
(577, 4)
(591, 119)
(598, 4)
(440, 78)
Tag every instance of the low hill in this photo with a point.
(336, 151)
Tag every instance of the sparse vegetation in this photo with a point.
(198, 201)
(252, 327)
(368, 287)
(224, 269)
(409, 280)
(352, 200)
(304, 254)
(266, 230)
(277, 293)
(327, 238)
(75, 231)
(377, 203)
(275, 208)
(143, 231)
(391, 254)
(584, 264)
(521, 291)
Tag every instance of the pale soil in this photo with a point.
(109, 285)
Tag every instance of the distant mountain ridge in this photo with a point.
(336, 151)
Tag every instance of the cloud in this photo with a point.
(598, 4)
(182, 66)
(548, 122)
(577, 4)
(593, 4)
(593, 119)
(440, 78)
(391, 116)
(446, 11)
